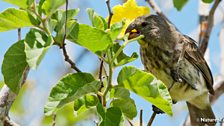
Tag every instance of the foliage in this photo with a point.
(85, 92)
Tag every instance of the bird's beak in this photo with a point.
(133, 31)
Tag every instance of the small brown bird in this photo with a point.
(175, 59)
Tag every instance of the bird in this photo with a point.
(175, 59)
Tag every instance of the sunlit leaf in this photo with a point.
(109, 117)
(20, 3)
(36, 45)
(13, 18)
(123, 58)
(85, 104)
(122, 100)
(179, 4)
(88, 100)
(50, 6)
(60, 16)
(96, 20)
(70, 88)
(91, 38)
(116, 29)
(14, 65)
(147, 86)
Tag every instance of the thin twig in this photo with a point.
(156, 8)
(19, 34)
(54, 119)
(130, 123)
(151, 119)
(66, 18)
(110, 13)
(141, 112)
(9, 122)
(102, 62)
(205, 39)
(67, 58)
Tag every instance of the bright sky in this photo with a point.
(52, 67)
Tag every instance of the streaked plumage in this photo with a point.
(175, 59)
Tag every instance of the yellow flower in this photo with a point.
(128, 11)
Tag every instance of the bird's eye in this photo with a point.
(144, 24)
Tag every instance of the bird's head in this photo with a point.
(153, 27)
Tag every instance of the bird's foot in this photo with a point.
(157, 110)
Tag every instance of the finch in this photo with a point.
(175, 59)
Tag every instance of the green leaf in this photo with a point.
(96, 20)
(1, 84)
(123, 101)
(60, 16)
(91, 38)
(179, 4)
(85, 104)
(119, 92)
(78, 103)
(14, 65)
(39, 7)
(116, 29)
(50, 6)
(91, 100)
(123, 58)
(88, 100)
(70, 88)
(13, 18)
(207, 1)
(147, 86)
(20, 3)
(111, 117)
(37, 44)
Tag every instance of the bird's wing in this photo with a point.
(195, 57)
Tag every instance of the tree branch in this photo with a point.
(156, 8)
(130, 123)
(7, 97)
(141, 113)
(19, 34)
(110, 13)
(67, 58)
(204, 41)
(151, 119)
(219, 90)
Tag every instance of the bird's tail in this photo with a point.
(201, 117)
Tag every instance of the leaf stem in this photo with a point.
(124, 44)
(102, 58)
(151, 119)
(109, 84)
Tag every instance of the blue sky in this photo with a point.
(52, 67)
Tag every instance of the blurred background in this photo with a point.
(27, 110)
